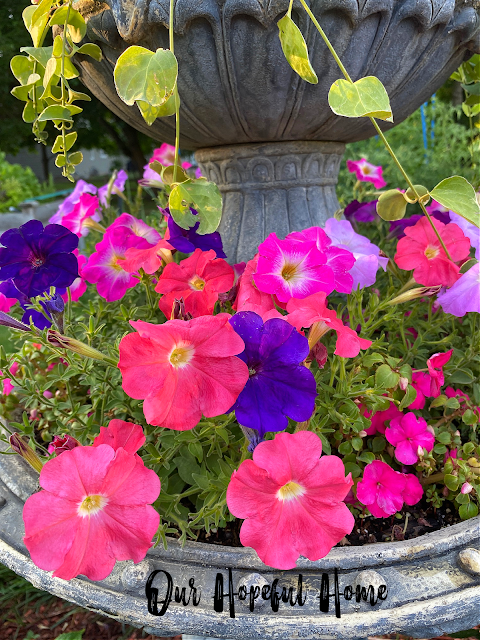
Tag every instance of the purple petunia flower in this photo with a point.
(30, 315)
(187, 240)
(118, 187)
(36, 258)
(361, 211)
(278, 385)
(470, 230)
(464, 295)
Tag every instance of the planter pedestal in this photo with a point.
(276, 186)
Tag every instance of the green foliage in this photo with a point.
(365, 98)
(295, 49)
(17, 184)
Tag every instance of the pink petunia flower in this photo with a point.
(150, 259)
(421, 251)
(6, 303)
(78, 220)
(165, 154)
(407, 434)
(7, 384)
(60, 444)
(429, 384)
(380, 420)
(292, 269)
(68, 204)
(313, 312)
(94, 509)
(367, 172)
(339, 260)
(198, 280)
(182, 369)
(367, 255)
(140, 228)
(104, 268)
(123, 434)
(291, 500)
(249, 298)
(384, 490)
(78, 286)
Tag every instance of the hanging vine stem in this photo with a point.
(62, 80)
(375, 124)
(177, 97)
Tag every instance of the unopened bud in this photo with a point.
(179, 312)
(63, 443)
(362, 433)
(420, 452)
(65, 342)
(18, 444)
(466, 487)
(403, 383)
(431, 429)
(413, 294)
(445, 491)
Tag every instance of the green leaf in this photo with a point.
(202, 196)
(452, 403)
(472, 89)
(75, 158)
(468, 448)
(22, 68)
(40, 54)
(55, 112)
(462, 498)
(357, 443)
(409, 397)
(39, 20)
(451, 482)
(27, 15)
(469, 510)
(470, 417)
(458, 195)
(186, 467)
(92, 50)
(201, 481)
(345, 448)
(422, 192)
(71, 635)
(354, 469)
(141, 74)
(438, 402)
(76, 24)
(371, 359)
(29, 114)
(295, 49)
(444, 437)
(70, 140)
(391, 205)
(378, 444)
(366, 456)
(150, 114)
(385, 377)
(365, 98)
(461, 376)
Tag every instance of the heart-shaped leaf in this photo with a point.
(55, 112)
(76, 23)
(92, 50)
(391, 205)
(458, 195)
(366, 97)
(150, 114)
(22, 68)
(141, 74)
(295, 49)
(202, 196)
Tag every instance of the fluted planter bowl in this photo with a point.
(432, 583)
(266, 137)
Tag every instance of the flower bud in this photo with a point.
(63, 443)
(362, 434)
(445, 491)
(18, 444)
(413, 294)
(179, 312)
(466, 487)
(403, 383)
(65, 342)
(420, 452)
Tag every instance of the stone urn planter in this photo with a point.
(429, 586)
(267, 138)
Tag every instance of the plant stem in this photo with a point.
(177, 97)
(62, 79)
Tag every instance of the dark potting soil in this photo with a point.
(416, 521)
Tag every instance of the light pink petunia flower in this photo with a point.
(292, 269)
(78, 220)
(103, 267)
(291, 500)
(367, 172)
(407, 434)
(94, 509)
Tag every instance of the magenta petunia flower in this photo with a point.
(339, 260)
(140, 228)
(384, 490)
(464, 296)
(6, 303)
(313, 312)
(380, 420)
(367, 172)
(68, 204)
(165, 154)
(94, 509)
(78, 286)
(429, 384)
(407, 434)
(367, 255)
(292, 269)
(291, 500)
(78, 220)
(104, 268)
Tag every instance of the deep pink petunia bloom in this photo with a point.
(249, 297)
(367, 172)
(407, 434)
(379, 420)
(78, 286)
(104, 266)
(429, 384)
(313, 311)
(86, 209)
(6, 303)
(7, 385)
(421, 251)
(60, 444)
(291, 500)
(339, 260)
(123, 434)
(292, 269)
(367, 255)
(94, 509)
(182, 369)
(384, 490)
(70, 201)
(198, 280)
(138, 227)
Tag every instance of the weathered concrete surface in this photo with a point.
(433, 582)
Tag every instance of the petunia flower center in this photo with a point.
(114, 262)
(289, 271)
(290, 491)
(36, 261)
(366, 170)
(431, 252)
(181, 355)
(91, 505)
(197, 284)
